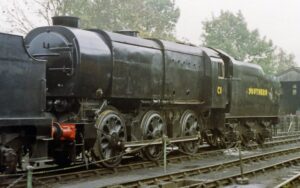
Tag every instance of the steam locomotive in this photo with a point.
(110, 91)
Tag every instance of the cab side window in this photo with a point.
(221, 71)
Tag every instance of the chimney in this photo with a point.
(68, 21)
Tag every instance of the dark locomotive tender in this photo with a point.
(24, 127)
(109, 91)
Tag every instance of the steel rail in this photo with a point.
(251, 146)
(232, 179)
(293, 181)
(50, 178)
(170, 177)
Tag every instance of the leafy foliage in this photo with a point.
(152, 18)
(283, 61)
(230, 33)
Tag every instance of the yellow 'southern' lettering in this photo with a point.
(257, 91)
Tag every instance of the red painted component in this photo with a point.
(64, 131)
(68, 131)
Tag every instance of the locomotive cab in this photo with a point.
(216, 73)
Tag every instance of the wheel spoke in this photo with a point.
(111, 131)
(118, 128)
(107, 154)
(105, 129)
(153, 127)
(152, 150)
(104, 145)
(190, 127)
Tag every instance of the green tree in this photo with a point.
(284, 60)
(152, 18)
(230, 33)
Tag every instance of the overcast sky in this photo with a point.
(278, 20)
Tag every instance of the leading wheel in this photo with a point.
(189, 127)
(111, 135)
(153, 127)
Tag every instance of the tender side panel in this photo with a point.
(22, 81)
(254, 94)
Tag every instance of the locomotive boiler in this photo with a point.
(109, 91)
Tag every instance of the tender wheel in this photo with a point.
(111, 135)
(9, 160)
(211, 138)
(245, 140)
(189, 127)
(246, 137)
(153, 127)
(262, 134)
(260, 139)
(222, 141)
(245, 134)
(215, 139)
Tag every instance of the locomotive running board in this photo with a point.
(160, 141)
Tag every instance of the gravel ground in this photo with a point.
(229, 154)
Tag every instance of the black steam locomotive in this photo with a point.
(108, 92)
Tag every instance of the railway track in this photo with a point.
(44, 178)
(184, 177)
(282, 137)
(287, 133)
(293, 181)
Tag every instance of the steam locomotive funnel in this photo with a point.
(68, 21)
